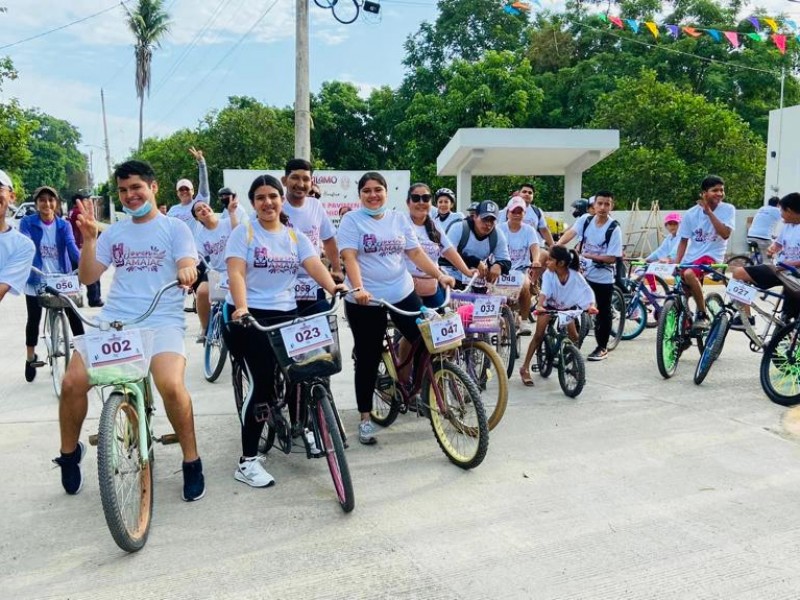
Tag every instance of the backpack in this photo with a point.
(462, 243)
(619, 265)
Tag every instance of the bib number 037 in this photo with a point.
(306, 336)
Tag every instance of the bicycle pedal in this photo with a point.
(168, 438)
(93, 439)
(261, 412)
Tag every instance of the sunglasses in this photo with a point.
(184, 189)
(415, 198)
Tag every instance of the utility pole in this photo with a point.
(302, 93)
(105, 134)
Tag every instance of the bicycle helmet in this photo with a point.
(579, 207)
(445, 192)
(672, 217)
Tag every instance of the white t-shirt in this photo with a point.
(530, 217)
(764, 222)
(16, 257)
(145, 257)
(48, 248)
(312, 220)
(789, 240)
(519, 245)
(272, 261)
(703, 238)
(183, 212)
(478, 248)
(432, 249)
(562, 296)
(381, 245)
(211, 243)
(667, 249)
(452, 217)
(241, 215)
(595, 243)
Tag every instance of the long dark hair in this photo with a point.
(430, 228)
(272, 182)
(560, 254)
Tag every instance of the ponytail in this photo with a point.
(433, 234)
(569, 257)
(574, 261)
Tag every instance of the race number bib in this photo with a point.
(446, 330)
(661, 269)
(513, 279)
(65, 284)
(741, 292)
(305, 289)
(488, 306)
(306, 336)
(108, 348)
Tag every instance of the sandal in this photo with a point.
(525, 375)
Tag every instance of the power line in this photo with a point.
(48, 32)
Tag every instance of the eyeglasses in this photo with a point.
(415, 198)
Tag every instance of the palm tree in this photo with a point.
(149, 23)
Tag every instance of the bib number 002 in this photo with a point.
(306, 336)
(113, 348)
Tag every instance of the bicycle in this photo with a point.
(56, 332)
(557, 350)
(450, 399)
(587, 321)
(307, 353)
(119, 359)
(753, 257)
(214, 349)
(780, 364)
(741, 294)
(643, 299)
(674, 333)
(344, 11)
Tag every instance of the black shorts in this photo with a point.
(765, 277)
(202, 275)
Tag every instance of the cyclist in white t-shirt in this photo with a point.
(264, 259)
(185, 190)
(765, 221)
(444, 212)
(534, 216)
(16, 250)
(148, 251)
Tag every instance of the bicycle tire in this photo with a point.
(506, 339)
(655, 306)
(713, 346)
(480, 361)
(585, 325)
(330, 441)
(617, 318)
(635, 319)
(740, 260)
(215, 350)
(387, 398)
(571, 371)
(461, 405)
(544, 357)
(350, 17)
(119, 426)
(780, 366)
(667, 348)
(59, 347)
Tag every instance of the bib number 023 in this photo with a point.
(308, 335)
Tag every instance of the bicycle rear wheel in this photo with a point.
(713, 346)
(780, 366)
(215, 349)
(459, 423)
(506, 340)
(668, 349)
(59, 348)
(125, 473)
(571, 371)
(387, 398)
(635, 319)
(480, 361)
(326, 429)
(617, 317)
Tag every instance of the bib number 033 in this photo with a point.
(308, 335)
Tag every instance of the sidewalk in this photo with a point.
(639, 488)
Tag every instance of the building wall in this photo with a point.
(783, 153)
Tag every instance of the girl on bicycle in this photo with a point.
(669, 247)
(263, 258)
(563, 288)
(56, 252)
(373, 242)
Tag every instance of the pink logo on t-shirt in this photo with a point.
(370, 243)
(151, 259)
(260, 257)
(118, 254)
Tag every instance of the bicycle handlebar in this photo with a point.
(248, 320)
(412, 313)
(792, 270)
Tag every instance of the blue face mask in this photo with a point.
(374, 212)
(139, 212)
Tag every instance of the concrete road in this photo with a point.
(640, 488)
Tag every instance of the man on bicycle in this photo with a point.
(16, 250)
(762, 229)
(704, 233)
(148, 251)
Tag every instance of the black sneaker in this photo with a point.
(194, 484)
(738, 325)
(700, 323)
(30, 368)
(71, 476)
(598, 354)
(98, 304)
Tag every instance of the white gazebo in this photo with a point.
(562, 152)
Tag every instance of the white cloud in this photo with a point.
(364, 89)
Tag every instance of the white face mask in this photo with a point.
(139, 212)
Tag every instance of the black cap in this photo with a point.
(225, 191)
(487, 208)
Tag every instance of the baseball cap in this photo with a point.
(516, 202)
(6, 180)
(445, 192)
(184, 183)
(225, 191)
(487, 208)
(672, 217)
(45, 188)
(473, 206)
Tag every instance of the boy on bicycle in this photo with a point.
(148, 251)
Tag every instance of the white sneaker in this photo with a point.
(366, 433)
(252, 472)
(312, 444)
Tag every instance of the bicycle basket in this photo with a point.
(109, 360)
(217, 286)
(509, 292)
(322, 361)
(477, 323)
(448, 332)
(51, 301)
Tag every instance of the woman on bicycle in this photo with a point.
(263, 259)
(444, 210)
(433, 242)
(56, 252)
(563, 288)
(373, 243)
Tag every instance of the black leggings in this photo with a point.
(368, 324)
(602, 322)
(251, 348)
(35, 319)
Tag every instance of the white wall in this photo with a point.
(783, 169)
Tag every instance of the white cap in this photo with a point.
(184, 183)
(6, 180)
(591, 200)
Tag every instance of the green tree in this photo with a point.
(15, 135)
(149, 23)
(55, 158)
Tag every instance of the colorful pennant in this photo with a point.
(733, 38)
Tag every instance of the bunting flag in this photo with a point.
(674, 30)
(733, 38)
(634, 25)
(790, 24)
(755, 22)
(617, 21)
(692, 32)
(780, 42)
(653, 28)
(603, 17)
(755, 37)
(771, 22)
(715, 34)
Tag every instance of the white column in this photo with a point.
(573, 183)
(463, 190)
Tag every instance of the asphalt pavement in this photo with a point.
(639, 488)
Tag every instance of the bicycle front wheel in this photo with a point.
(59, 348)
(617, 317)
(457, 415)
(125, 473)
(506, 342)
(387, 398)
(713, 346)
(479, 360)
(635, 319)
(571, 371)
(780, 366)
(215, 350)
(668, 349)
(544, 356)
(330, 442)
